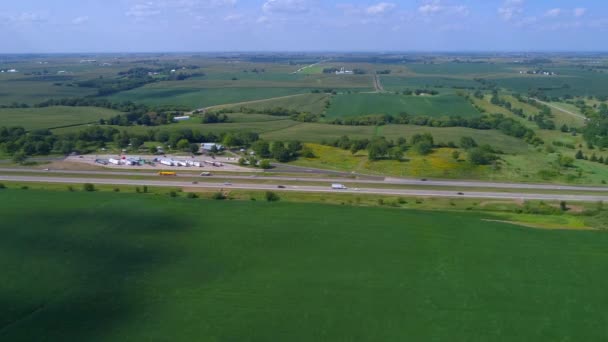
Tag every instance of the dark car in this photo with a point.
(281, 186)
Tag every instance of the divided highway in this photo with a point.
(462, 184)
(317, 189)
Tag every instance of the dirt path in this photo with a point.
(561, 109)
(377, 84)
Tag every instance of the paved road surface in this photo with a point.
(317, 189)
(388, 181)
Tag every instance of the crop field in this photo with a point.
(568, 81)
(49, 117)
(32, 92)
(310, 103)
(461, 69)
(365, 104)
(183, 270)
(201, 97)
(398, 83)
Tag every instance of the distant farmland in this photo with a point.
(49, 117)
(372, 103)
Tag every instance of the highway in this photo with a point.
(316, 189)
(464, 184)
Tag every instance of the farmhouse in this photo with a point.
(344, 72)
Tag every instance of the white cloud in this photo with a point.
(579, 12)
(262, 20)
(554, 12)
(380, 8)
(430, 8)
(80, 20)
(150, 8)
(285, 6)
(436, 7)
(144, 10)
(234, 17)
(28, 17)
(511, 9)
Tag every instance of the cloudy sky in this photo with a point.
(302, 25)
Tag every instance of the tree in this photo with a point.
(307, 152)
(565, 161)
(195, 148)
(423, 148)
(261, 148)
(565, 128)
(563, 206)
(280, 153)
(579, 155)
(378, 149)
(467, 143)
(481, 156)
(455, 155)
(19, 157)
(265, 164)
(183, 145)
(426, 137)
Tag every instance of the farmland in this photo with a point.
(391, 104)
(50, 117)
(103, 273)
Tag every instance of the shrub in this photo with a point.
(70, 188)
(272, 197)
(218, 196)
(116, 190)
(172, 193)
(88, 187)
(145, 189)
(192, 195)
(265, 164)
(25, 187)
(2, 186)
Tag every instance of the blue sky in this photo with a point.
(302, 25)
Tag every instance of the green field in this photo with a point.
(309, 103)
(401, 83)
(31, 91)
(201, 97)
(371, 103)
(49, 117)
(104, 266)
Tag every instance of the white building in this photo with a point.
(210, 146)
(182, 118)
(344, 72)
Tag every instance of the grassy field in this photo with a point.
(49, 117)
(365, 104)
(183, 270)
(521, 166)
